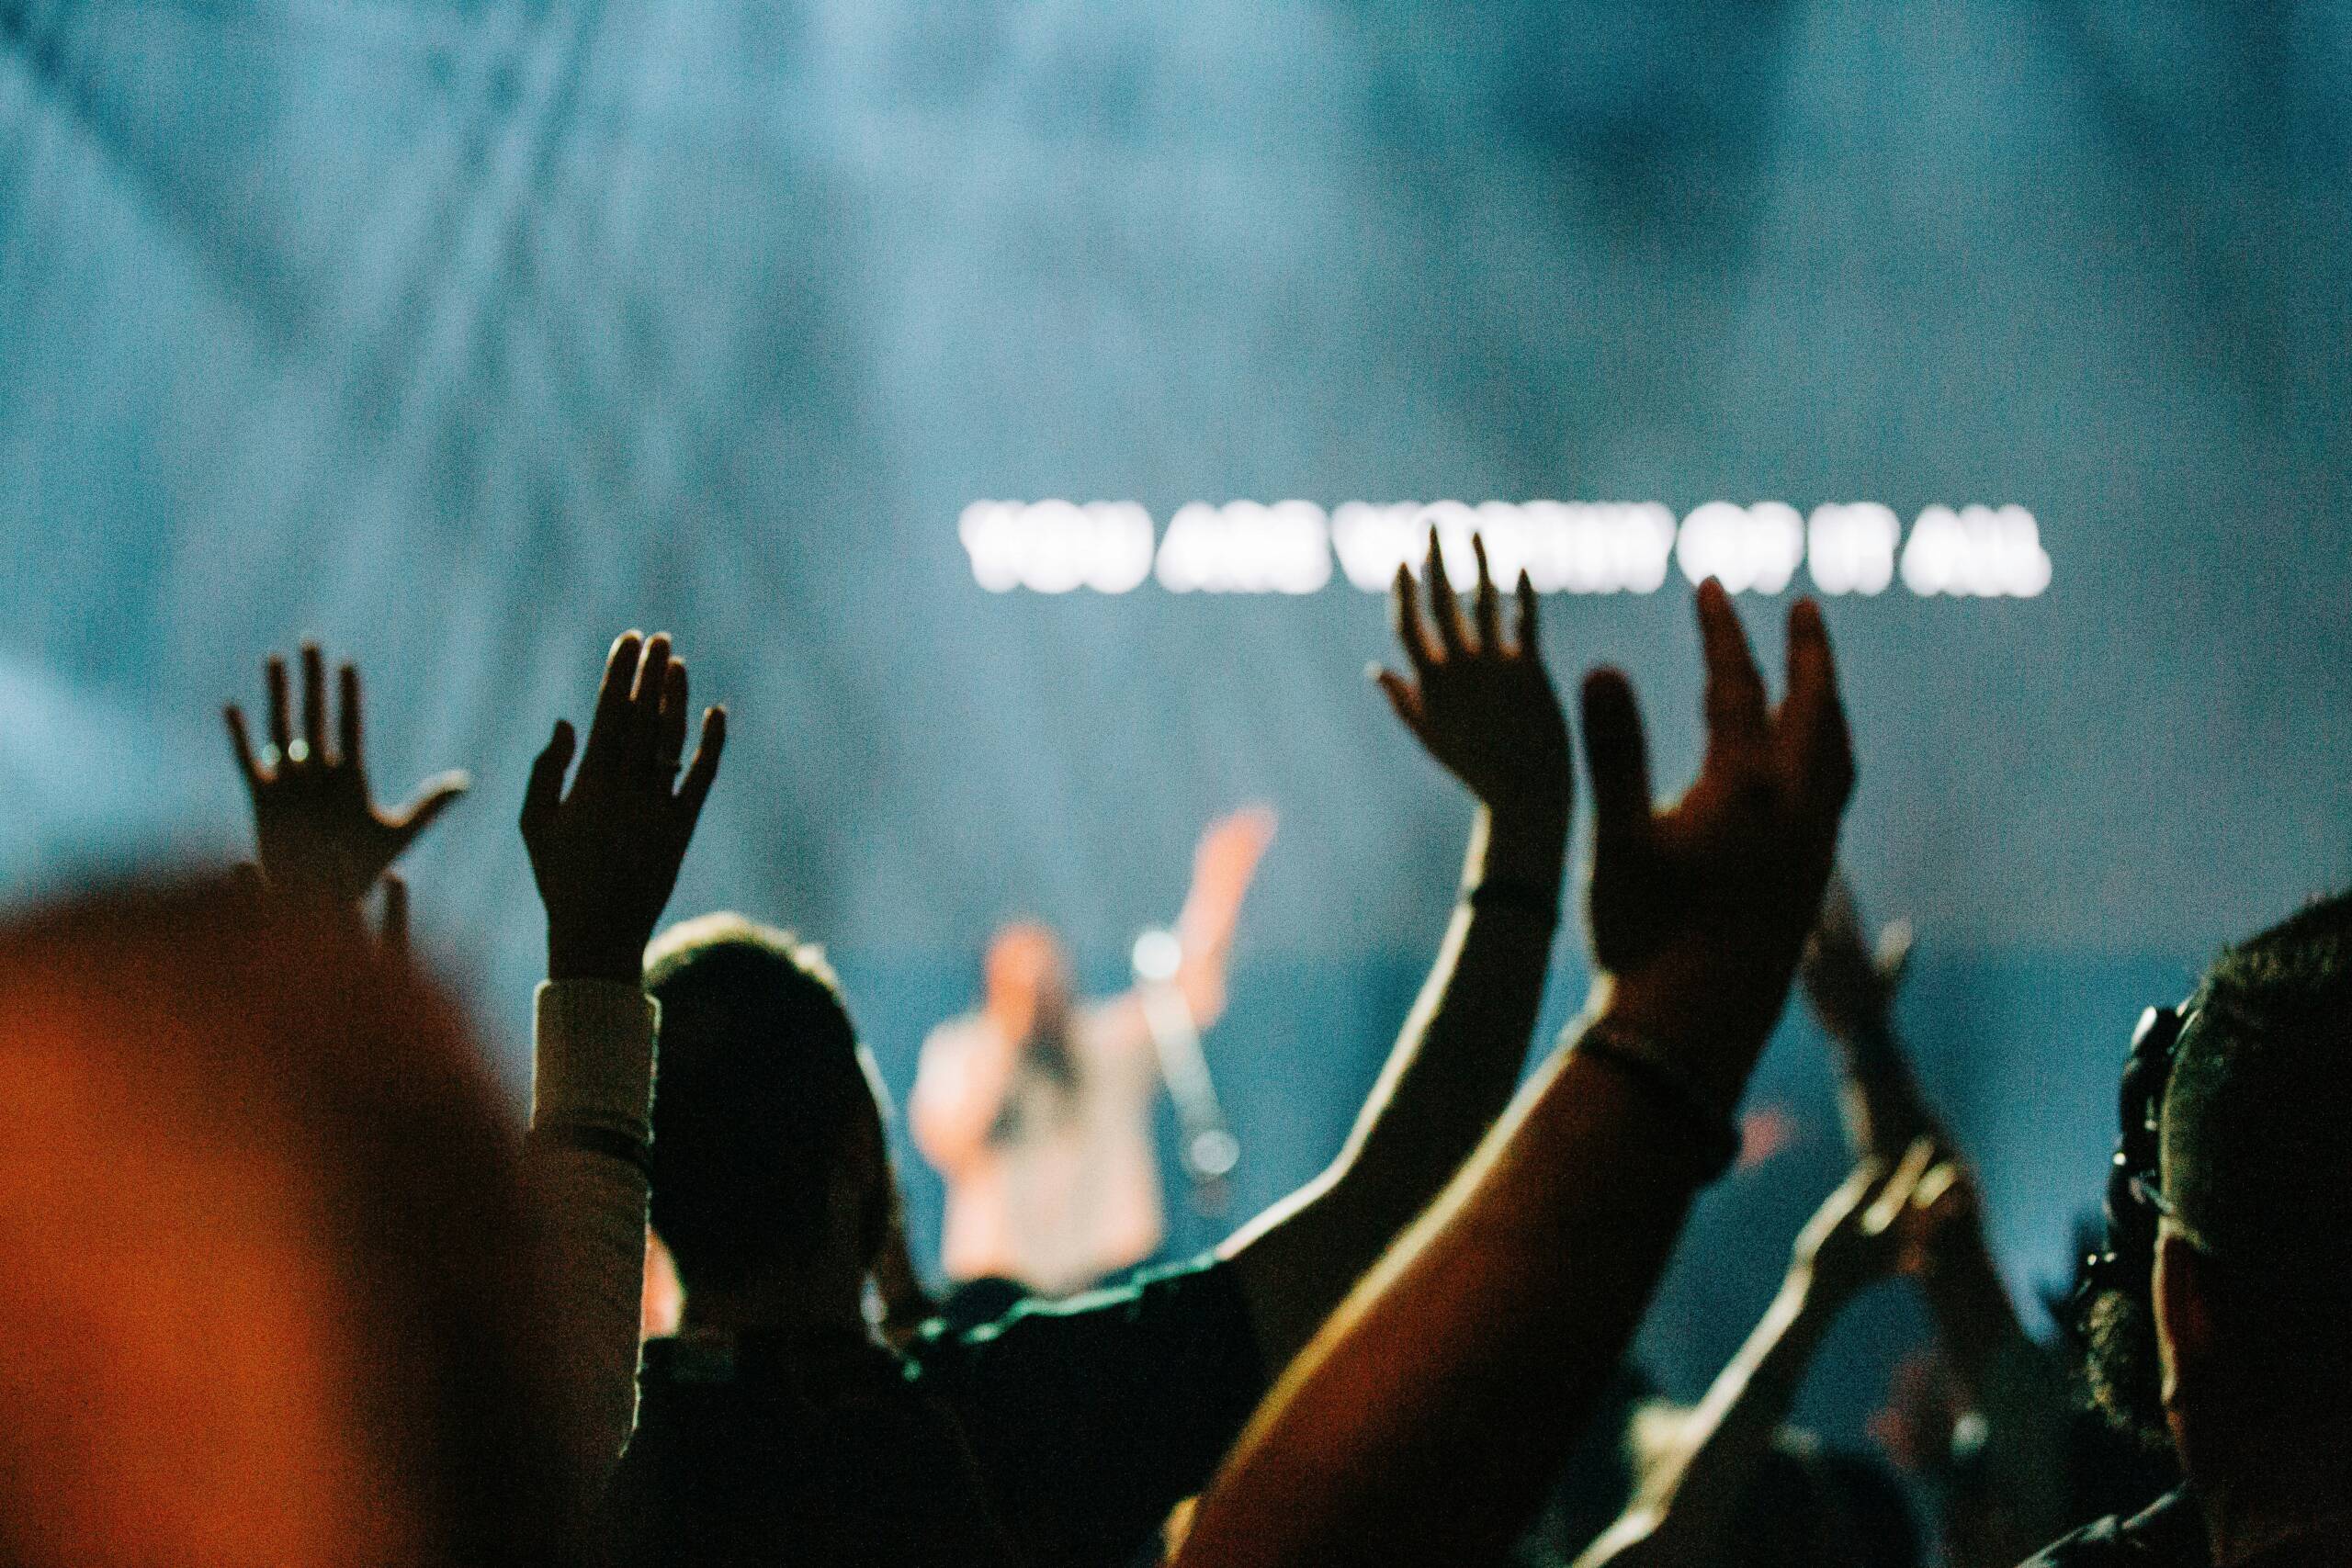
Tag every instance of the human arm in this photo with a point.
(604, 857)
(961, 1077)
(1425, 1420)
(317, 828)
(1689, 1506)
(1851, 984)
(1223, 866)
(1483, 707)
(2008, 1381)
(2003, 1375)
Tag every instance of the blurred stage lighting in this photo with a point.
(1565, 546)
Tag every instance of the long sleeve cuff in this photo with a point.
(593, 1063)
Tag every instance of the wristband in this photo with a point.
(609, 1142)
(1501, 893)
(1665, 1087)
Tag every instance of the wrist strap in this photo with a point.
(1502, 893)
(609, 1142)
(1666, 1087)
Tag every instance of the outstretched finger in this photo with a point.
(1895, 1196)
(314, 702)
(1617, 755)
(1403, 696)
(347, 721)
(1487, 601)
(608, 725)
(1445, 606)
(1411, 631)
(242, 745)
(703, 769)
(670, 744)
(434, 796)
(281, 727)
(1526, 628)
(1734, 699)
(645, 703)
(1942, 1181)
(543, 793)
(1817, 752)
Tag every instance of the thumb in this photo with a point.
(1403, 698)
(434, 796)
(544, 792)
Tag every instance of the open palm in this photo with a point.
(318, 828)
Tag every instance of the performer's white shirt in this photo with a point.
(1065, 1188)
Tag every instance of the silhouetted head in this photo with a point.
(269, 1289)
(1027, 976)
(768, 1150)
(2241, 1337)
(2253, 1284)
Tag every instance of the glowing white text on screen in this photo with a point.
(1292, 547)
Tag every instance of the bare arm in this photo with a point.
(960, 1087)
(1223, 868)
(1691, 1506)
(1425, 1420)
(1851, 985)
(2007, 1379)
(1485, 708)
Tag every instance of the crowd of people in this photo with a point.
(289, 1286)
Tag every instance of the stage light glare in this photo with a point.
(1748, 549)
(1980, 552)
(1246, 546)
(1850, 546)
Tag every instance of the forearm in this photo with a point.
(2013, 1386)
(957, 1097)
(1724, 1441)
(1448, 1075)
(1879, 1095)
(1426, 1418)
(591, 1128)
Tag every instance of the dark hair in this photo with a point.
(2258, 1155)
(761, 1088)
(2257, 1135)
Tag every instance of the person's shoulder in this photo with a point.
(2165, 1535)
(1178, 1300)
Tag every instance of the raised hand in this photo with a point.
(1481, 705)
(1870, 1228)
(1227, 856)
(1698, 909)
(318, 829)
(1851, 984)
(605, 857)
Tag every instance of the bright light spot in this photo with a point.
(1977, 552)
(1157, 955)
(1244, 547)
(1850, 549)
(1053, 546)
(1747, 548)
(1288, 547)
(1563, 547)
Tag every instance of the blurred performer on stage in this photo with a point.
(1037, 1109)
